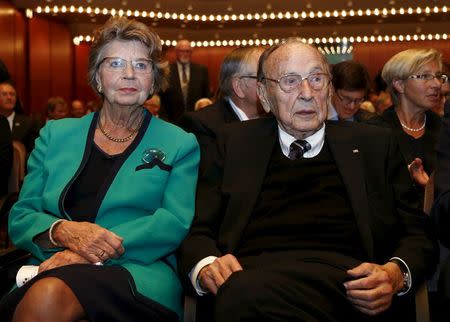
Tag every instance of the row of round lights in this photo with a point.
(257, 42)
(335, 50)
(240, 17)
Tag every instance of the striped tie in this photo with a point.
(298, 148)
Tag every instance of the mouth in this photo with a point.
(128, 90)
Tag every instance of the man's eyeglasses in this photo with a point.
(347, 100)
(290, 83)
(116, 64)
(442, 78)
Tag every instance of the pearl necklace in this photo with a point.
(417, 129)
(120, 140)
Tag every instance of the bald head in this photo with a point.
(183, 51)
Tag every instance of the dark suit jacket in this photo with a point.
(172, 105)
(25, 130)
(6, 154)
(373, 172)
(205, 124)
(441, 207)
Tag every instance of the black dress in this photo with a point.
(107, 293)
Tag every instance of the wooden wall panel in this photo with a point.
(375, 55)
(12, 49)
(82, 90)
(61, 60)
(50, 63)
(39, 68)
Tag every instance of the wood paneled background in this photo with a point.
(44, 62)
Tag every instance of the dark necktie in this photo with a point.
(183, 74)
(298, 148)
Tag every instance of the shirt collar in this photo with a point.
(241, 115)
(332, 114)
(10, 119)
(316, 141)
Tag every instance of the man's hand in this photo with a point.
(65, 257)
(212, 276)
(373, 286)
(88, 240)
(417, 172)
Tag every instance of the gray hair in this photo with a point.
(123, 29)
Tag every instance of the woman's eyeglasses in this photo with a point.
(116, 64)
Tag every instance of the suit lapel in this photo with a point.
(250, 153)
(347, 154)
(228, 113)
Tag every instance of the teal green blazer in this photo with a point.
(150, 207)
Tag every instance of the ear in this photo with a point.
(99, 83)
(236, 83)
(262, 95)
(399, 85)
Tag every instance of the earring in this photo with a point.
(99, 88)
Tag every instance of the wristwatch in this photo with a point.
(406, 277)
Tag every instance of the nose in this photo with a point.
(129, 70)
(305, 90)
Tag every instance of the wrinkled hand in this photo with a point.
(417, 172)
(94, 243)
(65, 257)
(212, 276)
(373, 286)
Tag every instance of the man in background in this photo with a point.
(237, 100)
(351, 84)
(23, 128)
(188, 82)
(77, 109)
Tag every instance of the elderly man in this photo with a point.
(237, 101)
(188, 82)
(351, 84)
(302, 220)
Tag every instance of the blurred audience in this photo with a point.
(237, 101)
(6, 155)
(153, 105)
(201, 103)
(445, 92)
(77, 109)
(188, 82)
(23, 128)
(351, 84)
(57, 108)
(414, 78)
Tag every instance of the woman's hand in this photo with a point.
(417, 172)
(65, 257)
(94, 243)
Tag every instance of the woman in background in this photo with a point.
(414, 79)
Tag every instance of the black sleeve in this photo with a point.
(6, 154)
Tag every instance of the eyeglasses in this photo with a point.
(347, 100)
(442, 78)
(116, 64)
(290, 83)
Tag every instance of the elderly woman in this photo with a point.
(108, 197)
(414, 79)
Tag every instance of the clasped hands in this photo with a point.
(85, 243)
(370, 290)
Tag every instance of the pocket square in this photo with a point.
(151, 165)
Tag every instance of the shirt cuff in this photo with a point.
(193, 274)
(408, 279)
